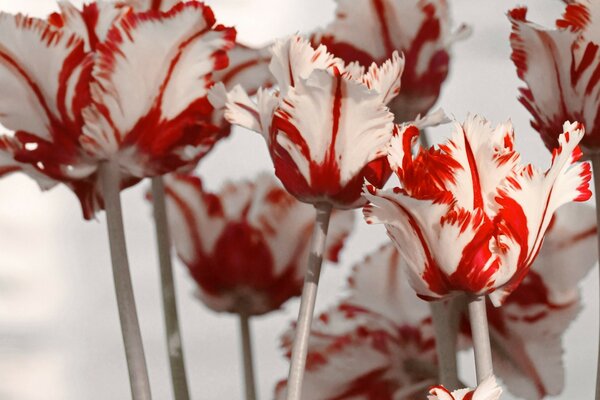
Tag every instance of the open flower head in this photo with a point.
(327, 127)
(369, 32)
(114, 84)
(487, 390)
(559, 67)
(467, 216)
(247, 245)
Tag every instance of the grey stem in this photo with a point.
(595, 157)
(445, 340)
(481, 338)
(248, 360)
(130, 328)
(307, 302)
(169, 300)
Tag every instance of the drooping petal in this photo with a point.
(154, 114)
(241, 110)
(529, 199)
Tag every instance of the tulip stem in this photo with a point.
(481, 338)
(307, 302)
(132, 338)
(169, 300)
(595, 157)
(446, 332)
(247, 354)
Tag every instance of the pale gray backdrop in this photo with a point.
(59, 332)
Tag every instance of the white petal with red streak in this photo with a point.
(74, 20)
(32, 56)
(385, 79)
(241, 110)
(397, 211)
(295, 59)
(541, 194)
(130, 87)
(476, 145)
(364, 126)
(546, 67)
(190, 219)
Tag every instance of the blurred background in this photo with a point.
(59, 330)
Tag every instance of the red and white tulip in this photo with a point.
(559, 67)
(467, 216)
(114, 85)
(327, 127)
(246, 246)
(367, 32)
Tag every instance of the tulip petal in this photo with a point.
(150, 106)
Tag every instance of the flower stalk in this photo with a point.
(246, 337)
(481, 338)
(130, 328)
(169, 300)
(307, 302)
(446, 332)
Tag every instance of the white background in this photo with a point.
(59, 331)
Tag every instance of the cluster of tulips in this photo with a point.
(485, 251)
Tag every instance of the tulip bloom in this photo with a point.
(98, 99)
(559, 68)
(467, 216)
(487, 390)
(370, 31)
(327, 127)
(246, 246)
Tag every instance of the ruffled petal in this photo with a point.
(294, 59)
(529, 198)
